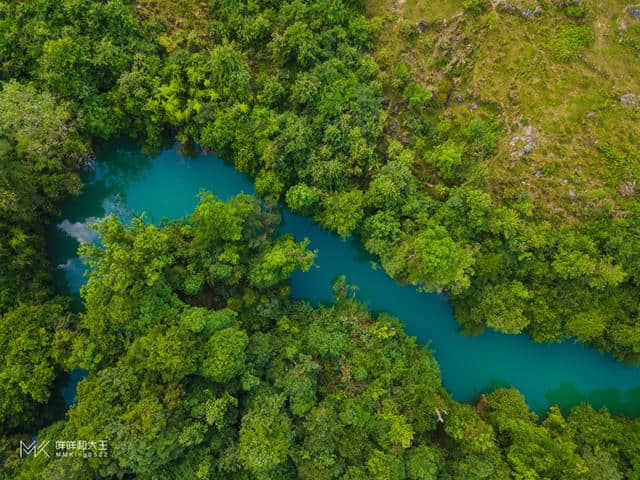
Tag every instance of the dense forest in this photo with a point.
(202, 367)
(387, 120)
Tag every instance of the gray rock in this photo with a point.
(473, 106)
(504, 6)
(530, 12)
(630, 99)
(572, 194)
(590, 114)
(422, 27)
(525, 142)
(538, 173)
(635, 11)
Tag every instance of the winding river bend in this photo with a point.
(166, 186)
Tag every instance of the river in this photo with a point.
(166, 186)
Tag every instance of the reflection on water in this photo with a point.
(567, 395)
(166, 186)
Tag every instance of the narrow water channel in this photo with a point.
(166, 186)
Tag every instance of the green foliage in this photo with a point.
(265, 436)
(448, 158)
(424, 462)
(278, 262)
(569, 41)
(575, 11)
(482, 137)
(239, 381)
(293, 94)
(502, 307)
(343, 211)
(60, 64)
(29, 362)
(142, 264)
(75, 50)
(201, 366)
(225, 355)
(40, 152)
(417, 96)
(475, 6)
(431, 259)
(302, 199)
(401, 76)
(268, 184)
(393, 186)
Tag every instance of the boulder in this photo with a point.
(422, 27)
(635, 11)
(630, 100)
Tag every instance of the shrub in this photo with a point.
(447, 158)
(302, 199)
(482, 137)
(568, 42)
(476, 6)
(268, 184)
(417, 96)
(575, 11)
(401, 76)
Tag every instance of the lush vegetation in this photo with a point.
(436, 142)
(311, 100)
(201, 367)
(350, 126)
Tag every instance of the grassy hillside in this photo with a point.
(553, 73)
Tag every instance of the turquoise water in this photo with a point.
(166, 186)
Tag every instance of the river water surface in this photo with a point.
(166, 186)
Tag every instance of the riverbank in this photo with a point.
(166, 186)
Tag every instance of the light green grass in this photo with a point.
(562, 75)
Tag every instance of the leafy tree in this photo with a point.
(342, 211)
(234, 379)
(265, 435)
(392, 187)
(417, 96)
(302, 198)
(423, 462)
(503, 307)
(431, 259)
(29, 361)
(200, 365)
(41, 151)
(448, 158)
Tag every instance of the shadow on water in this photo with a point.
(70, 384)
(62, 396)
(166, 186)
(567, 395)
